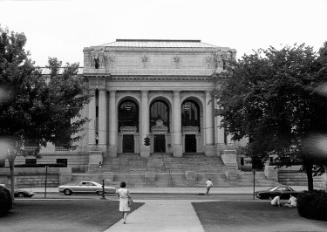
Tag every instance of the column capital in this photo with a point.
(144, 93)
(208, 92)
(176, 93)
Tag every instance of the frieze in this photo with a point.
(152, 78)
(128, 129)
(191, 129)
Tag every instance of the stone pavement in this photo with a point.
(161, 216)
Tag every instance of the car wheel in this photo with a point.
(20, 195)
(98, 192)
(67, 192)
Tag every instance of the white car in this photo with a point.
(85, 187)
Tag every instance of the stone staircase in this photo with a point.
(299, 178)
(163, 170)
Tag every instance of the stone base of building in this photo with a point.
(177, 150)
(95, 157)
(102, 147)
(112, 151)
(145, 151)
(210, 150)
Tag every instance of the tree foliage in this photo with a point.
(40, 108)
(276, 99)
(37, 108)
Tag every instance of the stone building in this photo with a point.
(151, 117)
(156, 89)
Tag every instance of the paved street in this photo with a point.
(150, 196)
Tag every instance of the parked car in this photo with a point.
(85, 187)
(5, 200)
(283, 191)
(20, 192)
(23, 193)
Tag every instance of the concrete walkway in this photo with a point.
(161, 216)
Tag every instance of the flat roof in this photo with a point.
(158, 43)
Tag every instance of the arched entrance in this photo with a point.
(191, 125)
(159, 125)
(128, 121)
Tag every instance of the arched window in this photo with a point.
(190, 114)
(128, 114)
(159, 110)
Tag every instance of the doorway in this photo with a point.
(190, 143)
(159, 144)
(128, 143)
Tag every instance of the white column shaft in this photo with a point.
(102, 127)
(112, 119)
(209, 119)
(177, 127)
(92, 118)
(144, 115)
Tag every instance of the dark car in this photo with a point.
(5, 200)
(23, 193)
(20, 192)
(283, 191)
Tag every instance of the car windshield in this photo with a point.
(272, 189)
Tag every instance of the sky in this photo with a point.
(62, 28)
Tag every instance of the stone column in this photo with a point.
(102, 126)
(112, 124)
(177, 127)
(144, 129)
(210, 149)
(92, 118)
(95, 156)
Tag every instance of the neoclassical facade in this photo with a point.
(156, 89)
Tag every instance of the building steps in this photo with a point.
(163, 170)
(298, 178)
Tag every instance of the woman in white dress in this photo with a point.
(123, 194)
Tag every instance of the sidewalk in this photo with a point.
(161, 216)
(184, 190)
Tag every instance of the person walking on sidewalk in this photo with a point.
(209, 185)
(124, 197)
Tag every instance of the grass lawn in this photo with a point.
(253, 216)
(61, 215)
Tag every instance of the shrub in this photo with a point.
(5, 200)
(313, 205)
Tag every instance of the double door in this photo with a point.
(159, 145)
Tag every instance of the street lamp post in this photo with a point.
(45, 182)
(103, 196)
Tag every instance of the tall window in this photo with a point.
(159, 110)
(190, 114)
(128, 114)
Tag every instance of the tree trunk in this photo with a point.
(308, 169)
(12, 176)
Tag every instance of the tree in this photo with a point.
(36, 109)
(273, 98)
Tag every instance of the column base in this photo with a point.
(95, 158)
(102, 147)
(178, 150)
(112, 151)
(145, 151)
(210, 150)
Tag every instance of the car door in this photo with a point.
(93, 187)
(82, 187)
